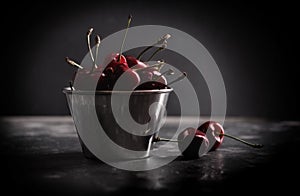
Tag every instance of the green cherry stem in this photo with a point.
(123, 42)
(71, 85)
(143, 51)
(98, 41)
(156, 51)
(184, 74)
(162, 40)
(242, 141)
(159, 139)
(168, 73)
(88, 38)
(73, 63)
(157, 65)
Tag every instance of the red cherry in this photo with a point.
(113, 72)
(133, 62)
(139, 66)
(151, 85)
(160, 78)
(115, 67)
(208, 137)
(146, 74)
(85, 79)
(192, 143)
(114, 57)
(129, 79)
(214, 132)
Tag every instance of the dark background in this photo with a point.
(250, 42)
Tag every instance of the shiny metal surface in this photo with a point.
(134, 141)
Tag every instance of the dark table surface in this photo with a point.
(42, 155)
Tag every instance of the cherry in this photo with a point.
(150, 72)
(139, 65)
(116, 67)
(111, 74)
(86, 79)
(192, 143)
(157, 76)
(146, 72)
(160, 77)
(129, 79)
(116, 58)
(151, 85)
(133, 62)
(214, 131)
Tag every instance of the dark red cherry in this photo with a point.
(145, 74)
(151, 85)
(192, 143)
(114, 57)
(214, 132)
(86, 80)
(133, 62)
(160, 78)
(128, 80)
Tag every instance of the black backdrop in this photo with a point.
(251, 43)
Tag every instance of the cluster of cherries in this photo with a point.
(136, 74)
(192, 142)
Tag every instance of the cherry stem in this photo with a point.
(71, 85)
(123, 42)
(168, 72)
(242, 141)
(88, 35)
(143, 52)
(156, 51)
(184, 74)
(98, 40)
(157, 65)
(162, 40)
(159, 139)
(73, 63)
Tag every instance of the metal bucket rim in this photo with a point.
(67, 90)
